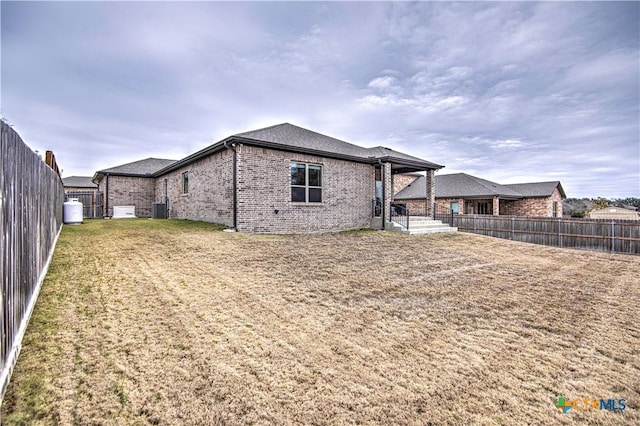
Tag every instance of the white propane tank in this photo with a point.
(72, 211)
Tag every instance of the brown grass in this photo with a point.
(169, 322)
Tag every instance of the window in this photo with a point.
(306, 183)
(455, 208)
(483, 208)
(555, 209)
(185, 183)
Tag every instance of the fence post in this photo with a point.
(613, 236)
(513, 226)
(560, 232)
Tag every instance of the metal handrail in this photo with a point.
(400, 215)
(443, 214)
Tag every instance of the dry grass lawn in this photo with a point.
(171, 322)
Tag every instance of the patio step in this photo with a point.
(421, 225)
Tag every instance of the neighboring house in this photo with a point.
(131, 184)
(84, 190)
(78, 183)
(614, 213)
(463, 193)
(282, 179)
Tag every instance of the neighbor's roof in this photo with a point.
(462, 185)
(288, 137)
(457, 185)
(537, 189)
(78, 182)
(146, 167)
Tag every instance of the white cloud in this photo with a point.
(382, 82)
(506, 144)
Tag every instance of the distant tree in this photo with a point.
(629, 201)
(599, 203)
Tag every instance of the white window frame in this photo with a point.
(306, 186)
(185, 182)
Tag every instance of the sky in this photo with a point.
(506, 91)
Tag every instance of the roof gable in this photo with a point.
(294, 138)
(145, 167)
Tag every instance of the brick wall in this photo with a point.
(264, 186)
(540, 206)
(415, 207)
(129, 191)
(401, 180)
(210, 196)
(446, 203)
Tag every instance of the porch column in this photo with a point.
(496, 206)
(387, 191)
(431, 191)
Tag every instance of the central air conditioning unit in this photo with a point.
(159, 211)
(124, 212)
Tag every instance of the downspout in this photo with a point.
(106, 197)
(384, 194)
(234, 179)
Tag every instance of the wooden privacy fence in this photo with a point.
(91, 202)
(616, 236)
(31, 197)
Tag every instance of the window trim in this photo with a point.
(457, 203)
(306, 186)
(185, 183)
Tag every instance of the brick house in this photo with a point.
(280, 179)
(130, 184)
(466, 194)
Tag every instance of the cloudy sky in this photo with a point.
(511, 92)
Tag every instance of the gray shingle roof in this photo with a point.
(78, 182)
(295, 138)
(462, 185)
(285, 137)
(536, 189)
(144, 167)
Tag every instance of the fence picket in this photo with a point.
(617, 236)
(31, 197)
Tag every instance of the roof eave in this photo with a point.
(211, 149)
(481, 197)
(415, 164)
(101, 173)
